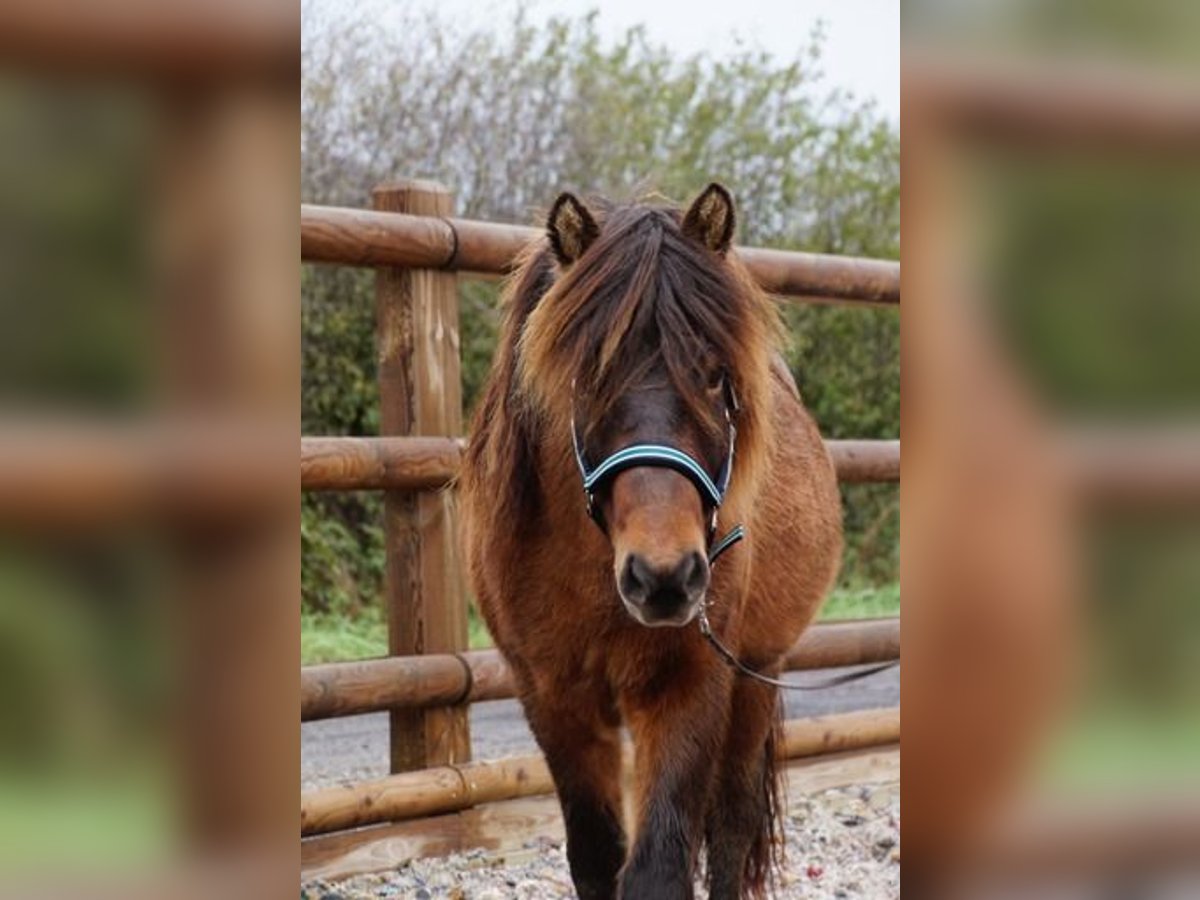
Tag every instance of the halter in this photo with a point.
(711, 492)
(662, 456)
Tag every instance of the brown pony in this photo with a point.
(637, 325)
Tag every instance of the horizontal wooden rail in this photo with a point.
(1117, 470)
(1097, 108)
(352, 688)
(859, 462)
(448, 789)
(83, 474)
(187, 39)
(396, 463)
(355, 464)
(80, 474)
(1103, 835)
(854, 642)
(358, 237)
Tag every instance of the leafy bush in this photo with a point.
(341, 554)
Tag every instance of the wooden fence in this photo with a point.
(430, 677)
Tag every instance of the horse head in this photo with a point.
(640, 353)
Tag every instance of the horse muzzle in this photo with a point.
(663, 595)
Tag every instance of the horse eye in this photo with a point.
(716, 379)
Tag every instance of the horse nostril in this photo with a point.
(666, 587)
(636, 579)
(692, 574)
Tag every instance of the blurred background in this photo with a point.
(1052, 476)
(148, 388)
(794, 106)
(149, 382)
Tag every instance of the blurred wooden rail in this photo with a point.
(1089, 106)
(352, 688)
(356, 237)
(69, 473)
(170, 44)
(424, 463)
(449, 788)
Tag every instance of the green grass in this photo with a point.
(862, 602)
(332, 638)
(119, 821)
(1117, 746)
(327, 638)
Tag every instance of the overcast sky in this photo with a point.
(862, 47)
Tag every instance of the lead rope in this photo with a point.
(737, 534)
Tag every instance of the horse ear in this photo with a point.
(570, 228)
(710, 219)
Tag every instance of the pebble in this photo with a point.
(827, 858)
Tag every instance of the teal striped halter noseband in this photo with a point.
(712, 492)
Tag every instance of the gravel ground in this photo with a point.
(841, 843)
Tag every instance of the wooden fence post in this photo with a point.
(420, 393)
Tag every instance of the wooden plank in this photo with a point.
(373, 685)
(185, 42)
(505, 827)
(1057, 105)
(358, 237)
(396, 682)
(840, 731)
(72, 474)
(1102, 835)
(363, 238)
(408, 463)
(412, 795)
(850, 642)
(807, 776)
(354, 463)
(420, 395)
(445, 789)
(863, 462)
(1119, 470)
(220, 302)
(500, 828)
(849, 279)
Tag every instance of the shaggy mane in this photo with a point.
(643, 293)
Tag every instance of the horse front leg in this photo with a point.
(580, 740)
(678, 725)
(741, 827)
